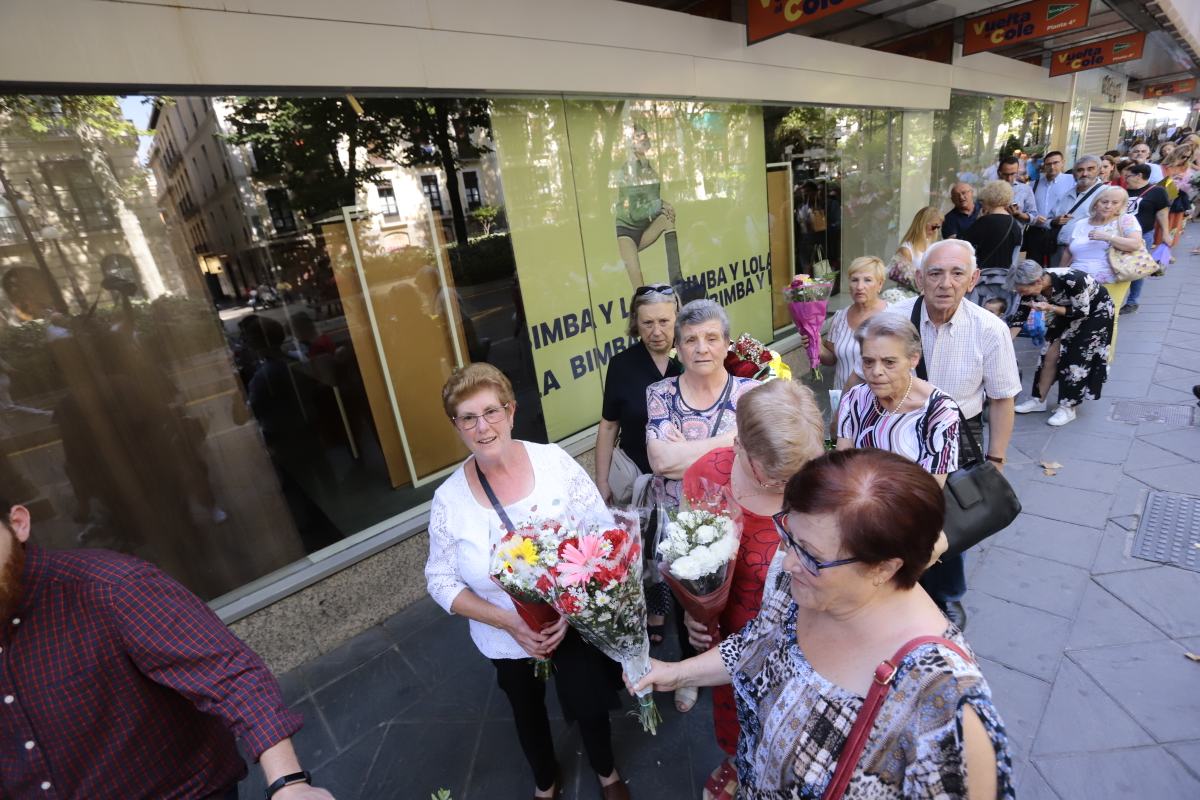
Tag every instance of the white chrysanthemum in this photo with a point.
(706, 534)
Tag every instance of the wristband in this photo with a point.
(288, 780)
(994, 459)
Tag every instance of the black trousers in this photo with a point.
(946, 581)
(586, 682)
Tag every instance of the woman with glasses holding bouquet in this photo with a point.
(505, 482)
(847, 620)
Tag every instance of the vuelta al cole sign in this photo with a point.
(767, 18)
(1022, 23)
(1164, 89)
(1104, 53)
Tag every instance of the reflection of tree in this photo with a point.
(326, 148)
(94, 123)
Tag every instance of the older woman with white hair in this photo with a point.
(1087, 250)
(838, 345)
(690, 415)
(1075, 354)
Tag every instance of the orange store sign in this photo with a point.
(767, 18)
(1164, 89)
(1104, 53)
(1022, 23)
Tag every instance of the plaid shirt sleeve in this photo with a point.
(176, 640)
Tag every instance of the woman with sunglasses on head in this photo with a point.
(506, 482)
(630, 372)
(780, 428)
(925, 229)
(858, 528)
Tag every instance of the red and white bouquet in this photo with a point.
(521, 565)
(698, 550)
(750, 358)
(808, 300)
(598, 588)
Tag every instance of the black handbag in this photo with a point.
(979, 499)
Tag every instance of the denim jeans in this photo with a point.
(946, 581)
(1135, 288)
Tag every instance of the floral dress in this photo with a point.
(758, 545)
(666, 408)
(795, 722)
(1084, 331)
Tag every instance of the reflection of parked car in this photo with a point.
(264, 297)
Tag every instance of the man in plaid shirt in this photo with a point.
(116, 682)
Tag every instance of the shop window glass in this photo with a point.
(471, 189)
(226, 414)
(970, 136)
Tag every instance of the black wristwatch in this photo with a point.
(288, 780)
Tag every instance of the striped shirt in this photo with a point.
(845, 347)
(927, 436)
(970, 358)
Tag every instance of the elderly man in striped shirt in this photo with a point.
(969, 355)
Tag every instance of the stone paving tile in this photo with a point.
(1166, 596)
(1180, 357)
(331, 666)
(1185, 324)
(1150, 680)
(379, 690)
(1104, 620)
(1185, 443)
(1188, 755)
(1016, 636)
(1079, 473)
(1021, 701)
(1183, 478)
(1060, 541)
(415, 760)
(1130, 498)
(1142, 773)
(1080, 717)
(1125, 390)
(1144, 455)
(1068, 445)
(1113, 555)
(1030, 784)
(1031, 581)
(1077, 506)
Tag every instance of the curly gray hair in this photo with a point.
(698, 312)
(1023, 273)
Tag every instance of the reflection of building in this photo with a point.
(84, 200)
(400, 194)
(237, 229)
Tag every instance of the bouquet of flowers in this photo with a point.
(697, 553)
(598, 588)
(895, 295)
(750, 358)
(521, 565)
(808, 299)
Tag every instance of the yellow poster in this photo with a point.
(604, 196)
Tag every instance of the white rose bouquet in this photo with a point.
(698, 551)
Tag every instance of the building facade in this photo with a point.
(439, 211)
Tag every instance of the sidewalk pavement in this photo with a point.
(1082, 644)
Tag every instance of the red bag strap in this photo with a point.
(856, 742)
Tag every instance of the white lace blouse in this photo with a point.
(462, 533)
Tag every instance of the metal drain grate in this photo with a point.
(1134, 412)
(1169, 531)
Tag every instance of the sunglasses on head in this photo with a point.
(654, 288)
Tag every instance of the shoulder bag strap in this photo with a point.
(495, 501)
(856, 742)
(1085, 197)
(922, 371)
(1011, 221)
(964, 432)
(721, 412)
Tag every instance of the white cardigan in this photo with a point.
(462, 534)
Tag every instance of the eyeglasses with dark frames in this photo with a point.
(654, 288)
(469, 422)
(809, 561)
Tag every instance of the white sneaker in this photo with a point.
(1061, 416)
(1031, 405)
